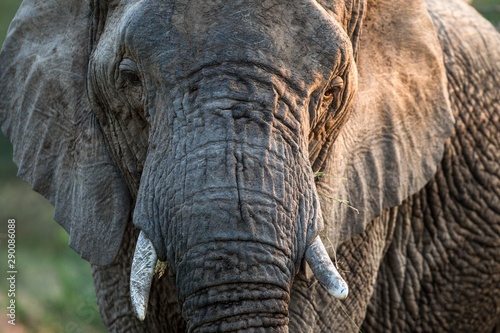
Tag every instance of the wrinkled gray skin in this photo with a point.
(203, 123)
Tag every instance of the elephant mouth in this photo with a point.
(145, 259)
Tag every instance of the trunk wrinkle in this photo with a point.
(239, 184)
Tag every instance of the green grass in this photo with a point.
(8, 9)
(490, 9)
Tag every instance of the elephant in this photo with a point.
(266, 166)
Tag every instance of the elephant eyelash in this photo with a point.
(334, 87)
(129, 73)
(332, 92)
(131, 78)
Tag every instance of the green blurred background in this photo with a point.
(54, 286)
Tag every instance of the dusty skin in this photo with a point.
(233, 133)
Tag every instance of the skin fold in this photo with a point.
(232, 134)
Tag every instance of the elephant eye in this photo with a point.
(132, 78)
(129, 73)
(331, 94)
(334, 88)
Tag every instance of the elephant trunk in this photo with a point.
(227, 197)
(235, 245)
(232, 244)
(234, 286)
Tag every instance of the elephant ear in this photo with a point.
(45, 112)
(394, 139)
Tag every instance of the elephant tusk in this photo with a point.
(141, 275)
(325, 271)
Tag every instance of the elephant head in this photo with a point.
(204, 124)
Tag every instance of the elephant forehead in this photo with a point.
(298, 36)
